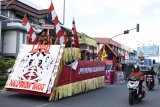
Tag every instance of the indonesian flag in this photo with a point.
(56, 24)
(74, 32)
(32, 36)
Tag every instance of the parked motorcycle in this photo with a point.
(133, 86)
(149, 81)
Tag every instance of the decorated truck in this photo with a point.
(54, 71)
(48, 66)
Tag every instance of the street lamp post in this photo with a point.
(127, 31)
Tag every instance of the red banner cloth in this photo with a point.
(85, 70)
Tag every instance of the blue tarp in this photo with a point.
(133, 59)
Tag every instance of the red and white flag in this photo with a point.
(74, 32)
(56, 24)
(32, 36)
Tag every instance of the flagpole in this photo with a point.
(64, 12)
(71, 62)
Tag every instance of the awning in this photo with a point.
(88, 41)
(133, 59)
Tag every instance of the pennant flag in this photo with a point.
(74, 32)
(26, 23)
(103, 55)
(56, 24)
(73, 64)
(104, 52)
(30, 30)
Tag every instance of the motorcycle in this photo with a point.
(149, 81)
(133, 86)
(158, 75)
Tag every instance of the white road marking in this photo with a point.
(43, 105)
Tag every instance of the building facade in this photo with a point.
(14, 34)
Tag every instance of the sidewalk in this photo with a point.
(1, 88)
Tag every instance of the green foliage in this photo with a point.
(2, 83)
(5, 64)
(9, 62)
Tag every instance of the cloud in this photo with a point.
(106, 18)
(129, 7)
(123, 7)
(90, 7)
(156, 12)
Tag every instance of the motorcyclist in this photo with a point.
(151, 72)
(136, 72)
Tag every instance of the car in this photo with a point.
(144, 68)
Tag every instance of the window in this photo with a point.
(5, 13)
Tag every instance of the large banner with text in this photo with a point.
(85, 70)
(35, 68)
(149, 51)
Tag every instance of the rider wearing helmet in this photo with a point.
(136, 72)
(151, 72)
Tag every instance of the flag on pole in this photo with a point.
(56, 24)
(32, 36)
(103, 55)
(74, 32)
(124, 58)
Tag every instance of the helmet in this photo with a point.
(136, 67)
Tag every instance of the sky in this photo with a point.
(108, 18)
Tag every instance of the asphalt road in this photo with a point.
(109, 96)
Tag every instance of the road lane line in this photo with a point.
(43, 105)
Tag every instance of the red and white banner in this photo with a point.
(85, 70)
(30, 30)
(56, 24)
(35, 68)
(75, 35)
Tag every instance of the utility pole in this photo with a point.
(0, 31)
(64, 12)
(127, 31)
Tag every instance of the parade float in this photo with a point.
(112, 59)
(42, 70)
(53, 70)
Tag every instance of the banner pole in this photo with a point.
(71, 63)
